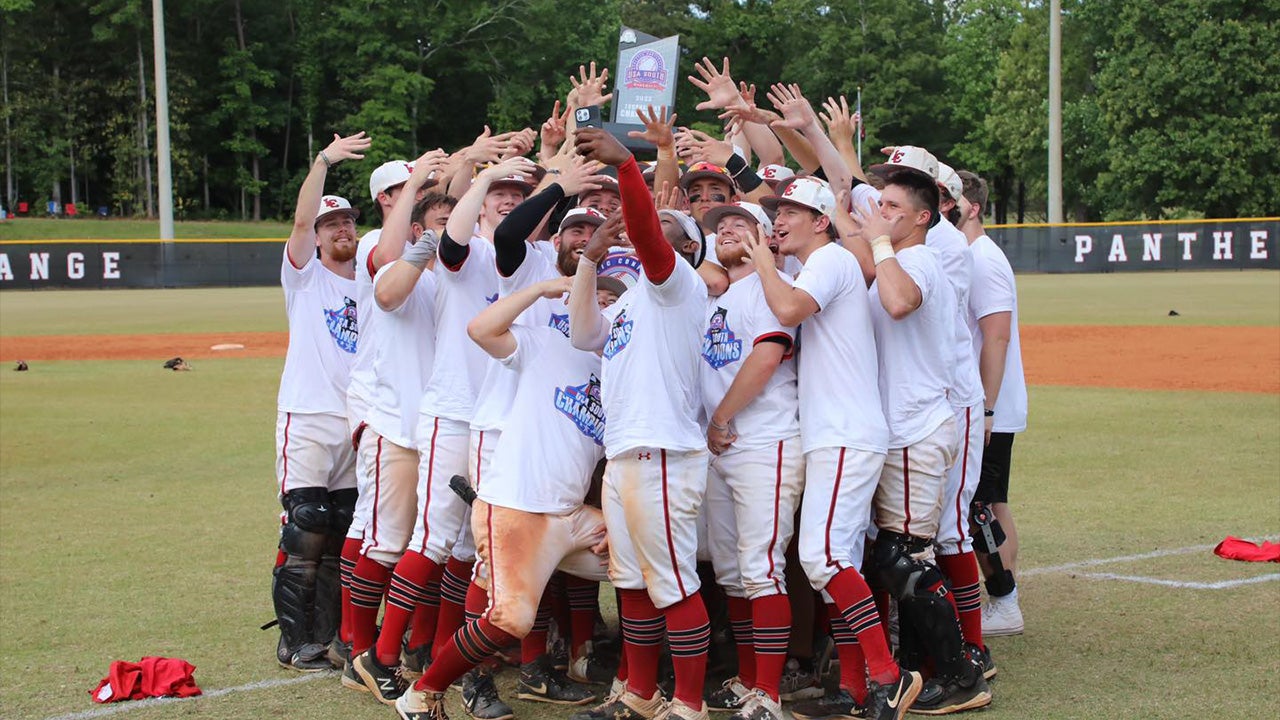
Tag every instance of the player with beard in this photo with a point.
(756, 473)
(315, 464)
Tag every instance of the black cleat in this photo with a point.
(415, 661)
(838, 706)
(625, 705)
(386, 684)
(891, 701)
(982, 658)
(946, 694)
(480, 697)
(541, 682)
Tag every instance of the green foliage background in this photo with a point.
(1171, 109)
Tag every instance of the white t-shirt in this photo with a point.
(957, 263)
(360, 392)
(651, 357)
(915, 360)
(994, 290)
(497, 389)
(735, 323)
(403, 353)
(543, 462)
(461, 293)
(839, 389)
(321, 308)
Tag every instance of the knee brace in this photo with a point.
(988, 536)
(309, 517)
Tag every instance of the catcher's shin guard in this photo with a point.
(921, 590)
(293, 587)
(328, 589)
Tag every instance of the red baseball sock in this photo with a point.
(771, 632)
(423, 629)
(347, 564)
(584, 602)
(689, 635)
(368, 582)
(534, 645)
(853, 665)
(407, 590)
(743, 639)
(853, 598)
(642, 627)
(471, 645)
(962, 571)
(453, 601)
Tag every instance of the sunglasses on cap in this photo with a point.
(715, 197)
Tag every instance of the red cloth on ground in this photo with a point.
(1233, 548)
(152, 677)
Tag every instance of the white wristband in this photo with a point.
(881, 249)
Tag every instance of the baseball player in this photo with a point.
(756, 472)
(385, 184)
(844, 438)
(314, 461)
(532, 497)
(657, 470)
(913, 312)
(403, 318)
(993, 318)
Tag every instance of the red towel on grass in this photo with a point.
(152, 677)
(1234, 548)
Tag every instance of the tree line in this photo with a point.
(1170, 109)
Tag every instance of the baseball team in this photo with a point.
(787, 397)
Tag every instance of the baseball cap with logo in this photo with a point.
(775, 174)
(909, 157)
(519, 181)
(330, 204)
(950, 181)
(705, 170)
(388, 175)
(582, 216)
(809, 192)
(751, 211)
(691, 231)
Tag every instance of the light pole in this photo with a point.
(162, 129)
(1055, 111)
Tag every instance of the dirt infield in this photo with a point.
(1225, 359)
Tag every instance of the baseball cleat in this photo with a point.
(759, 706)
(591, 669)
(386, 684)
(480, 697)
(541, 682)
(1001, 617)
(944, 695)
(625, 706)
(892, 700)
(837, 706)
(982, 658)
(728, 697)
(415, 661)
(309, 658)
(676, 710)
(798, 683)
(339, 653)
(421, 705)
(351, 680)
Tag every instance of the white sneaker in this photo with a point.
(1001, 617)
(759, 706)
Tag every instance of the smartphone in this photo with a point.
(588, 116)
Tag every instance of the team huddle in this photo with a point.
(538, 376)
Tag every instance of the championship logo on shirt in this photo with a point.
(342, 324)
(719, 345)
(581, 404)
(619, 335)
(560, 322)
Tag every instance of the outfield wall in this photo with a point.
(1086, 248)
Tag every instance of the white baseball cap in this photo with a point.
(388, 175)
(751, 211)
(582, 216)
(330, 204)
(950, 181)
(911, 157)
(775, 174)
(809, 192)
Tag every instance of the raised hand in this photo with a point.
(871, 223)
(487, 148)
(750, 113)
(841, 125)
(579, 176)
(519, 166)
(588, 87)
(519, 142)
(721, 91)
(604, 237)
(797, 113)
(555, 287)
(696, 146)
(351, 147)
(428, 167)
(657, 128)
(553, 133)
(748, 92)
(596, 144)
(758, 248)
(669, 197)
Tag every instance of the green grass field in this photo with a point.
(88, 228)
(137, 517)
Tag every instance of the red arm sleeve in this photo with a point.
(657, 257)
